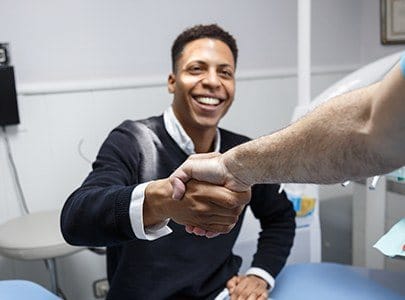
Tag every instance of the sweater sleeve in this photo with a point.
(277, 220)
(97, 213)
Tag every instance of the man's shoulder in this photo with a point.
(149, 122)
(130, 131)
(133, 126)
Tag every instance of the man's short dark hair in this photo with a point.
(212, 31)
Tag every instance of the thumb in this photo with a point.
(179, 178)
(179, 187)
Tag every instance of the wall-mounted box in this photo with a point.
(8, 97)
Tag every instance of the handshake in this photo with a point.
(218, 196)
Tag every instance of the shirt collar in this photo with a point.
(178, 134)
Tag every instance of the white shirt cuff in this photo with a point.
(136, 217)
(264, 275)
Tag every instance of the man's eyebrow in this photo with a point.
(201, 62)
(197, 61)
(226, 66)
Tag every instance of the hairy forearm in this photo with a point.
(343, 139)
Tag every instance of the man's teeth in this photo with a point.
(210, 101)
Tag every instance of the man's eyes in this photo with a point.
(197, 69)
(226, 73)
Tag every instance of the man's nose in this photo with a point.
(212, 80)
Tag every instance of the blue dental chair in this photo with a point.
(337, 282)
(24, 290)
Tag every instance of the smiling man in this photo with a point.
(126, 202)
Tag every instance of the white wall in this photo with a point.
(335, 32)
(87, 40)
(370, 46)
(76, 40)
(113, 58)
(54, 41)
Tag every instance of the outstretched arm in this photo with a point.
(355, 135)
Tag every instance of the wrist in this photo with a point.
(155, 207)
(233, 167)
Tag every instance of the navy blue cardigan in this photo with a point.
(179, 265)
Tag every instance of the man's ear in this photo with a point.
(171, 81)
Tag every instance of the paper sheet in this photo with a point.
(393, 242)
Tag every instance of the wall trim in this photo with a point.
(42, 88)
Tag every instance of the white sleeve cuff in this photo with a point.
(264, 275)
(136, 217)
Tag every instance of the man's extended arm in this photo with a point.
(98, 213)
(355, 135)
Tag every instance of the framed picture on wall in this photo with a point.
(393, 21)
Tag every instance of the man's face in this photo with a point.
(204, 84)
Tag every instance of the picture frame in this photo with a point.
(392, 22)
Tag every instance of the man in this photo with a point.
(126, 202)
(355, 135)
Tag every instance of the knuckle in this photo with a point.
(237, 210)
(245, 293)
(220, 228)
(200, 219)
(199, 209)
(231, 219)
(228, 228)
(243, 199)
(231, 202)
(238, 290)
(213, 229)
(234, 219)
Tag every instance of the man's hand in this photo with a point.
(206, 206)
(207, 167)
(248, 287)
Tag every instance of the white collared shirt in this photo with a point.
(151, 233)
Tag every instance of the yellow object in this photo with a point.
(307, 206)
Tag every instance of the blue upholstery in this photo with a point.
(335, 282)
(24, 290)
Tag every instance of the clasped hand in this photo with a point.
(209, 168)
(205, 207)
